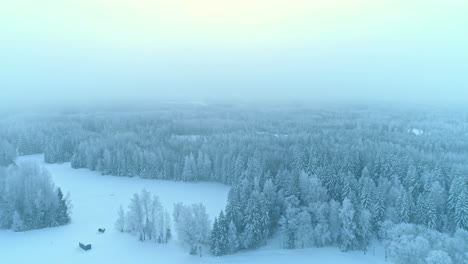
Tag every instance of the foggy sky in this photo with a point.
(422, 57)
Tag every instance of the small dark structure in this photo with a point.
(101, 230)
(85, 247)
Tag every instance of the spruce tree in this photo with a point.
(62, 212)
(215, 239)
(253, 223)
(120, 223)
(404, 207)
(348, 226)
(461, 210)
(223, 231)
(232, 239)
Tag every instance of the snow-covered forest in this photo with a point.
(29, 199)
(343, 176)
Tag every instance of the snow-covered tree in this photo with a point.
(219, 236)
(311, 189)
(190, 172)
(404, 206)
(120, 223)
(63, 214)
(334, 221)
(364, 229)
(303, 222)
(215, 239)
(145, 218)
(256, 221)
(136, 218)
(17, 222)
(438, 257)
(288, 227)
(232, 239)
(461, 209)
(193, 227)
(7, 153)
(348, 226)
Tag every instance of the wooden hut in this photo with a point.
(85, 247)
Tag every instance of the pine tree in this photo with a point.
(62, 217)
(457, 202)
(165, 228)
(7, 153)
(431, 211)
(17, 222)
(304, 228)
(438, 201)
(461, 210)
(218, 237)
(456, 187)
(136, 218)
(223, 232)
(120, 223)
(234, 208)
(348, 226)
(334, 221)
(349, 183)
(365, 229)
(189, 172)
(271, 203)
(215, 239)
(380, 206)
(289, 227)
(232, 239)
(168, 234)
(411, 179)
(264, 219)
(321, 231)
(367, 192)
(420, 210)
(5, 206)
(252, 235)
(404, 207)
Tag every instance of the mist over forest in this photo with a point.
(221, 132)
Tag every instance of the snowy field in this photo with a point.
(96, 199)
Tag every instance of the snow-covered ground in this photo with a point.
(96, 199)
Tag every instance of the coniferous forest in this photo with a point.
(29, 199)
(310, 176)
